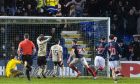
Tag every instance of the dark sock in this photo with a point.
(28, 74)
(29, 68)
(43, 74)
(91, 71)
(74, 68)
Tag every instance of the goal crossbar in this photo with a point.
(47, 20)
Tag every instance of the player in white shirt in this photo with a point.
(57, 56)
(42, 52)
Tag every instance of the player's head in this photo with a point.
(26, 36)
(103, 39)
(41, 37)
(12, 57)
(111, 37)
(74, 41)
(57, 41)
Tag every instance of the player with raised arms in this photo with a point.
(57, 56)
(114, 52)
(78, 50)
(42, 52)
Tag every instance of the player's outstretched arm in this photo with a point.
(48, 38)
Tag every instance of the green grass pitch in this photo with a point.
(51, 80)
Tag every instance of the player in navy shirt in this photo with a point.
(78, 50)
(114, 52)
(99, 60)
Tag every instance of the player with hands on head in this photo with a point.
(42, 52)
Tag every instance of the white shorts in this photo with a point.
(99, 62)
(54, 58)
(82, 60)
(114, 64)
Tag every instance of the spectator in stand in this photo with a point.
(124, 51)
(20, 4)
(29, 11)
(59, 13)
(136, 49)
(64, 9)
(120, 22)
(10, 7)
(114, 29)
(131, 54)
(138, 22)
(79, 6)
(50, 7)
(131, 22)
(40, 5)
(72, 12)
(33, 3)
(112, 7)
(2, 7)
(19, 13)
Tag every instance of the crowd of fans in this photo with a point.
(124, 14)
(130, 52)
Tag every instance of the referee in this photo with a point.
(27, 49)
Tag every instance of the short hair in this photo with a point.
(26, 35)
(57, 41)
(41, 37)
(111, 37)
(75, 40)
(12, 57)
(103, 38)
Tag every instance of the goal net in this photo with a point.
(88, 31)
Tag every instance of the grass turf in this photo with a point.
(4, 80)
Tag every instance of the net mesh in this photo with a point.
(87, 31)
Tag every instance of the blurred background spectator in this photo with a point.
(125, 56)
(136, 49)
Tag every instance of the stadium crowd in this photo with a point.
(125, 15)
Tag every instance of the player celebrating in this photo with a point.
(10, 67)
(27, 49)
(42, 52)
(114, 51)
(99, 60)
(78, 50)
(57, 56)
